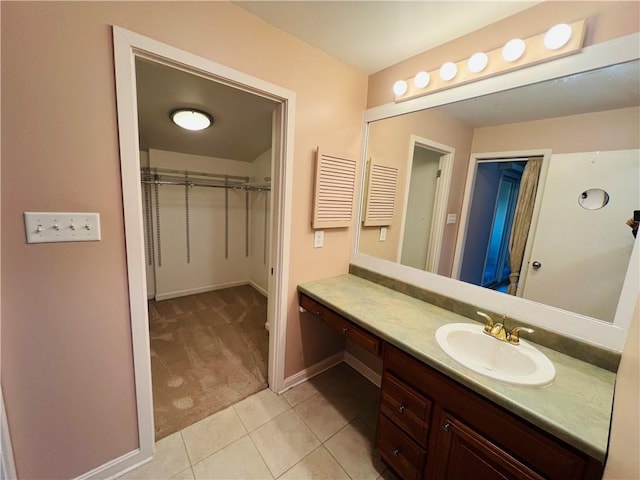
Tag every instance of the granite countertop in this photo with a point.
(575, 408)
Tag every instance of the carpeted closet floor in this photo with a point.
(208, 351)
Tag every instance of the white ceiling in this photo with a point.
(373, 35)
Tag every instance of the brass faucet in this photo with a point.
(498, 330)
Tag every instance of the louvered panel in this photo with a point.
(382, 186)
(334, 190)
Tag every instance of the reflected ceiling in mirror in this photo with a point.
(579, 125)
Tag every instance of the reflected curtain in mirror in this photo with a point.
(522, 220)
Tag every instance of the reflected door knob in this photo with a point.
(536, 265)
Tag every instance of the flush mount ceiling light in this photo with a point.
(513, 50)
(191, 119)
(448, 71)
(478, 62)
(557, 36)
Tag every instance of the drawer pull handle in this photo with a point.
(395, 452)
(317, 314)
(446, 426)
(344, 330)
(400, 409)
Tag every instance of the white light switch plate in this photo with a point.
(45, 227)
(318, 238)
(383, 234)
(451, 218)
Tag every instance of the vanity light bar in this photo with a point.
(559, 41)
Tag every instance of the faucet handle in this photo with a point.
(514, 336)
(489, 324)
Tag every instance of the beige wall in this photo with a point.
(388, 144)
(606, 20)
(66, 343)
(608, 130)
(623, 462)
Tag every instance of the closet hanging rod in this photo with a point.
(188, 173)
(235, 186)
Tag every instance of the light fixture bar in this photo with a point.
(537, 49)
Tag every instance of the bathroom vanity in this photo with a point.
(439, 420)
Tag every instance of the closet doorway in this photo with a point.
(206, 207)
(207, 222)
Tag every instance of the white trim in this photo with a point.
(363, 369)
(310, 372)
(507, 156)
(258, 288)
(584, 328)
(128, 45)
(439, 214)
(7, 463)
(117, 467)
(193, 291)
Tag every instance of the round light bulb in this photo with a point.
(513, 50)
(557, 36)
(448, 71)
(191, 119)
(400, 87)
(421, 79)
(477, 62)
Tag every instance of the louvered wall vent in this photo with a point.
(382, 184)
(334, 190)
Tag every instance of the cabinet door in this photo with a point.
(461, 453)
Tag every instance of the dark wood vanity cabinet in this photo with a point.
(347, 328)
(432, 428)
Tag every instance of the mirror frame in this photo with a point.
(581, 327)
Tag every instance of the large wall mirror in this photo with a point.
(518, 200)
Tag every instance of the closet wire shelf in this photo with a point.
(164, 176)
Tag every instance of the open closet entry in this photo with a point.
(206, 203)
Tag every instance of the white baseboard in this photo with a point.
(259, 288)
(363, 369)
(193, 291)
(117, 467)
(312, 371)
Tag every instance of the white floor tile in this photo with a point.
(318, 465)
(238, 461)
(184, 475)
(284, 441)
(169, 459)
(259, 408)
(300, 393)
(353, 447)
(213, 433)
(325, 416)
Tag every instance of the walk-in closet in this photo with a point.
(206, 201)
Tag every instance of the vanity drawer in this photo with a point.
(400, 452)
(407, 408)
(350, 330)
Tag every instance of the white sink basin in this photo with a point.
(516, 364)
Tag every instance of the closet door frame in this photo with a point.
(127, 47)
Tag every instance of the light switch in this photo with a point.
(318, 238)
(451, 218)
(383, 234)
(46, 227)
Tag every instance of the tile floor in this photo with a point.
(321, 429)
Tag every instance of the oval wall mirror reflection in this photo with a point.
(593, 199)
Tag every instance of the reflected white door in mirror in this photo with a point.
(589, 142)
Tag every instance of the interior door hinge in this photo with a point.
(438, 173)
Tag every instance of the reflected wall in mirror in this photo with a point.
(586, 129)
